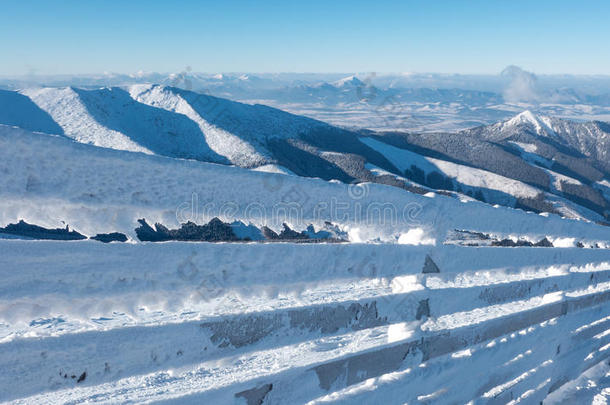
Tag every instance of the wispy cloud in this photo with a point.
(522, 85)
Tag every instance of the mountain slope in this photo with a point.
(482, 184)
(170, 122)
(588, 139)
(552, 159)
(99, 190)
(539, 151)
(19, 110)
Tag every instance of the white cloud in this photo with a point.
(522, 86)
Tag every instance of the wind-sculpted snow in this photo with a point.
(183, 322)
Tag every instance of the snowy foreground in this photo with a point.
(227, 323)
(398, 315)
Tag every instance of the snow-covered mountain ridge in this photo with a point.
(166, 121)
(562, 165)
(99, 190)
(565, 158)
(592, 139)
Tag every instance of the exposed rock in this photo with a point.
(430, 266)
(311, 233)
(24, 229)
(329, 234)
(544, 243)
(520, 243)
(511, 243)
(255, 396)
(247, 232)
(110, 237)
(146, 233)
(289, 234)
(218, 231)
(269, 233)
(423, 309)
(213, 231)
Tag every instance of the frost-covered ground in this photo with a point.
(192, 322)
(395, 316)
(592, 387)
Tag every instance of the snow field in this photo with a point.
(366, 316)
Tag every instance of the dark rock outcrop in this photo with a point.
(511, 243)
(289, 234)
(430, 266)
(544, 243)
(269, 233)
(213, 231)
(255, 396)
(218, 231)
(24, 229)
(110, 237)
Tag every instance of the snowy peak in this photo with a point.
(350, 81)
(583, 147)
(526, 117)
(75, 111)
(589, 138)
(541, 125)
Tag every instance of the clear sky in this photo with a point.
(88, 36)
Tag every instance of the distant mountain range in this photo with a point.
(560, 89)
(399, 102)
(533, 162)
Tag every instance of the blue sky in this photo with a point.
(87, 36)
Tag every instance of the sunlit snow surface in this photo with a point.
(203, 322)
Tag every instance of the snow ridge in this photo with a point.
(170, 122)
